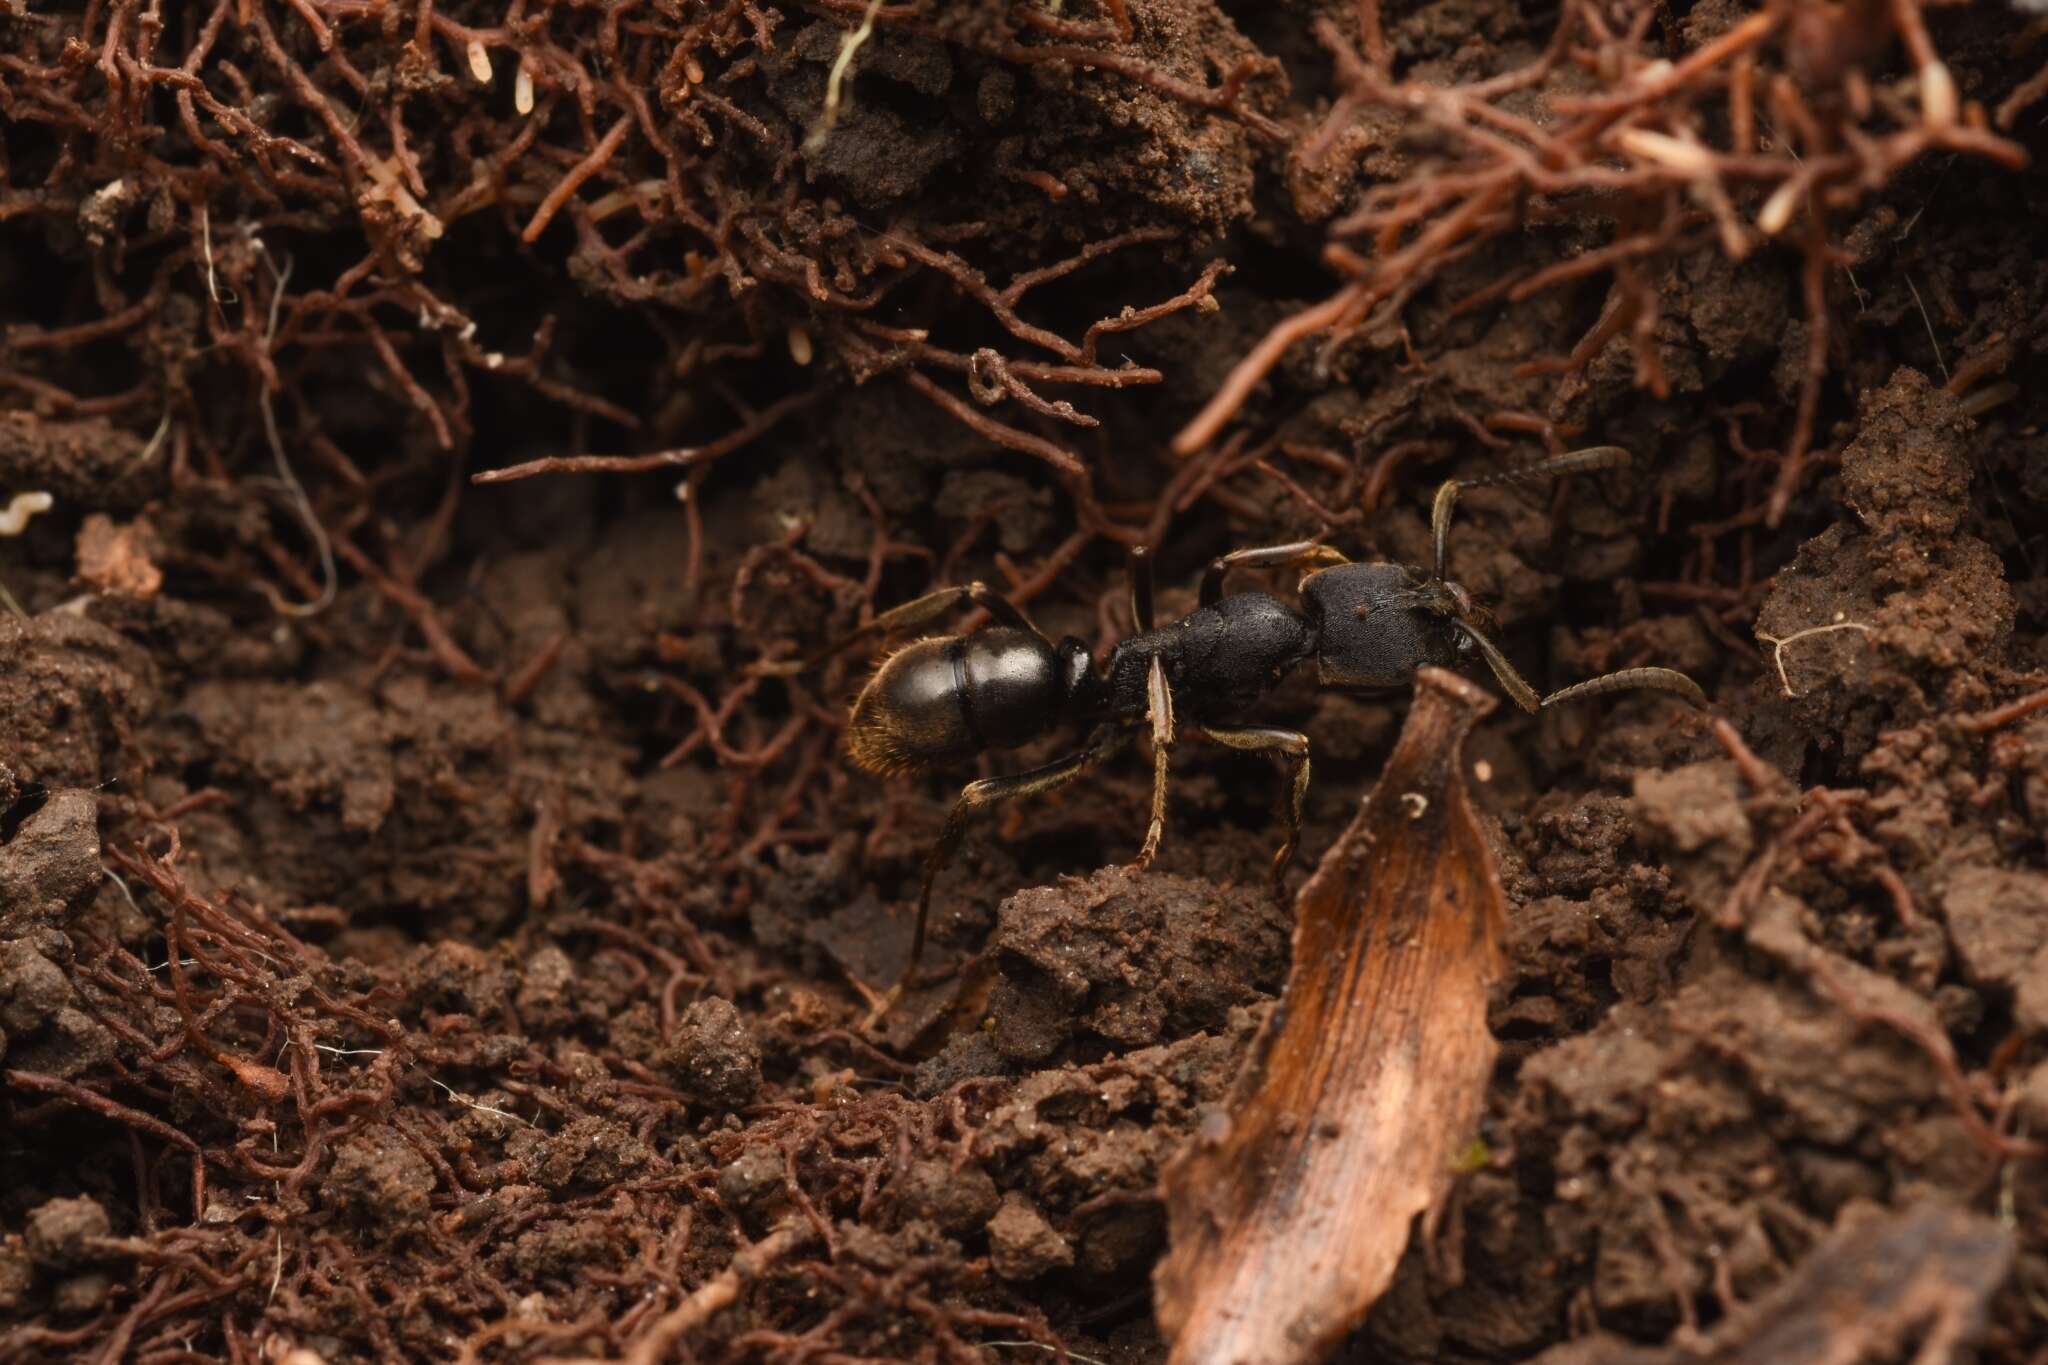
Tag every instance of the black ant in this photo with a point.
(1367, 627)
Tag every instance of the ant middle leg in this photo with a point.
(915, 612)
(1294, 554)
(1292, 747)
(974, 800)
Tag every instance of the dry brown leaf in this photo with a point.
(1366, 1081)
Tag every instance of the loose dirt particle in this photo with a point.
(1995, 921)
(1022, 1245)
(116, 559)
(1907, 473)
(956, 1201)
(77, 1295)
(17, 1274)
(380, 1177)
(50, 864)
(713, 1056)
(1129, 958)
(62, 1233)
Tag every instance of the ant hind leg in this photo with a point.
(915, 612)
(974, 800)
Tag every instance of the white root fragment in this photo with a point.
(479, 62)
(20, 509)
(1778, 646)
(848, 46)
(641, 195)
(1687, 158)
(522, 90)
(1938, 102)
(800, 348)
(1777, 210)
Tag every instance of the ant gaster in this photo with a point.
(1367, 627)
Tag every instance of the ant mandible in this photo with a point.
(1367, 627)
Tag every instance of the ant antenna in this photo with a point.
(1556, 467)
(1634, 679)
(1627, 680)
(1511, 681)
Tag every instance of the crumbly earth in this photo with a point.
(473, 965)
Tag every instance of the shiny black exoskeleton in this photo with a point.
(950, 697)
(1365, 627)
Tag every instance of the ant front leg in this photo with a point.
(1292, 747)
(916, 612)
(1294, 554)
(975, 799)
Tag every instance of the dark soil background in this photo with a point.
(448, 952)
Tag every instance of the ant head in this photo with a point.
(1469, 621)
(1447, 598)
(1471, 628)
(1377, 623)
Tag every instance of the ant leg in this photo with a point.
(1141, 587)
(1159, 711)
(1556, 467)
(1633, 679)
(1293, 554)
(916, 612)
(1292, 746)
(975, 798)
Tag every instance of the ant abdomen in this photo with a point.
(947, 698)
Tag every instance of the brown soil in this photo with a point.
(465, 967)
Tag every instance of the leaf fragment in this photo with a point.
(1363, 1089)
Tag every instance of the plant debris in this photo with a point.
(1291, 1209)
